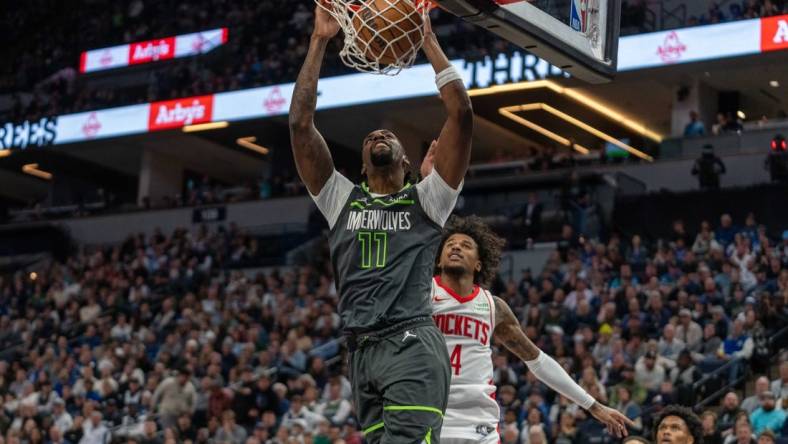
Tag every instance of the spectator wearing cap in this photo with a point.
(767, 416)
(648, 374)
(175, 396)
(60, 417)
(751, 403)
(229, 431)
(689, 331)
(603, 349)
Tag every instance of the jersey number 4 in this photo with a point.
(374, 248)
(455, 359)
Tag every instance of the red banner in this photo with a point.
(152, 50)
(180, 112)
(774, 33)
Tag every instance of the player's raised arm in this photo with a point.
(507, 332)
(312, 158)
(453, 151)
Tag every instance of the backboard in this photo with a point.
(579, 36)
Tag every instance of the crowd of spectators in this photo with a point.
(161, 340)
(267, 45)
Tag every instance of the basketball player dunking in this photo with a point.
(384, 234)
(470, 317)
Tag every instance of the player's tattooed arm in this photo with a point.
(507, 332)
(312, 157)
(453, 149)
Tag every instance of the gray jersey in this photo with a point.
(382, 252)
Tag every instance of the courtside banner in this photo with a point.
(152, 50)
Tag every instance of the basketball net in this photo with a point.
(365, 47)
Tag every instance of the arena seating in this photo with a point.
(94, 347)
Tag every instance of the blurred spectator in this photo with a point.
(711, 433)
(175, 396)
(728, 414)
(751, 403)
(708, 168)
(780, 385)
(767, 416)
(229, 431)
(532, 218)
(648, 373)
(695, 127)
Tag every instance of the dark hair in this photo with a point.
(687, 415)
(488, 243)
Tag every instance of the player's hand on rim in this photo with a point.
(615, 421)
(326, 26)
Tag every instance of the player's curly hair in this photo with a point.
(489, 244)
(685, 413)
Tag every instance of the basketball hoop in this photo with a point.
(380, 36)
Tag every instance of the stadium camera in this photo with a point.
(777, 160)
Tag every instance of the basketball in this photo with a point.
(387, 30)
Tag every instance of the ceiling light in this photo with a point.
(205, 126)
(32, 169)
(510, 110)
(544, 131)
(576, 96)
(248, 143)
(5, 153)
(774, 84)
(740, 114)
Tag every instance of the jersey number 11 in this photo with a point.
(374, 248)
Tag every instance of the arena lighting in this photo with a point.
(510, 110)
(5, 153)
(774, 83)
(574, 95)
(248, 143)
(32, 169)
(740, 114)
(544, 131)
(205, 126)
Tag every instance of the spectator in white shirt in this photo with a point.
(94, 431)
(669, 346)
(780, 385)
(689, 331)
(60, 417)
(648, 374)
(335, 409)
(298, 411)
(581, 292)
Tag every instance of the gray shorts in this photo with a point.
(401, 383)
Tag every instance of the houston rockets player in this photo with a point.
(470, 317)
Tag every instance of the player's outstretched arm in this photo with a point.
(508, 333)
(453, 152)
(312, 157)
